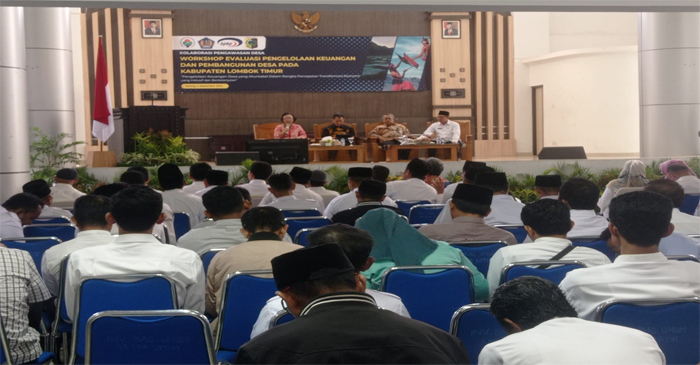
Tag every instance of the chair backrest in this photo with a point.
(554, 273)
(149, 337)
(61, 317)
(265, 131)
(480, 252)
(690, 204)
(683, 258)
(594, 243)
(281, 317)
(370, 126)
(126, 292)
(405, 205)
(622, 191)
(302, 236)
(243, 297)
(431, 293)
(181, 221)
(517, 230)
(476, 327)
(5, 356)
(52, 220)
(672, 323)
(297, 224)
(424, 213)
(36, 246)
(300, 213)
(318, 129)
(207, 256)
(64, 231)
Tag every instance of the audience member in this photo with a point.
(257, 177)
(63, 192)
(664, 167)
(547, 222)
(581, 196)
(132, 177)
(171, 180)
(469, 171)
(143, 171)
(399, 244)
(40, 188)
(198, 172)
(685, 177)
(547, 186)
(317, 182)
(683, 223)
(136, 177)
(633, 175)
(22, 299)
(94, 230)
(17, 211)
(356, 175)
(543, 329)
(300, 176)
(468, 207)
(214, 178)
(638, 221)
(339, 322)
(136, 209)
(288, 129)
(264, 229)
(413, 186)
(109, 190)
(369, 195)
(380, 173)
(357, 245)
(282, 191)
(435, 168)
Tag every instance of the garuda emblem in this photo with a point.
(304, 22)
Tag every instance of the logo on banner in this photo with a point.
(304, 22)
(206, 43)
(230, 42)
(251, 43)
(187, 42)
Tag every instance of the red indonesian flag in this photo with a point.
(102, 119)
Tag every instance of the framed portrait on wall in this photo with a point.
(450, 29)
(152, 28)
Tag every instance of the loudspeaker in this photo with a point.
(562, 153)
(235, 158)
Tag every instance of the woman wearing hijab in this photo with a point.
(399, 244)
(664, 167)
(633, 175)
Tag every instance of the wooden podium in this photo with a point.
(141, 118)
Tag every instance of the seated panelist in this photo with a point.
(288, 129)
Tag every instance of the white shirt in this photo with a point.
(679, 244)
(386, 301)
(448, 132)
(301, 192)
(64, 195)
(631, 277)
(348, 201)
(10, 224)
(690, 184)
(194, 187)
(292, 202)
(543, 248)
(52, 212)
(326, 194)
(224, 233)
(574, 341)
(51, 262)
(131, 254)
(685, 223)
(411, 189)
(586, 223)
(205, 190)
(179, 201)
(449, 191)
(553, 197)
(256, 187)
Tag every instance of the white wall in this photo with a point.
(588, 30)
(79, 97)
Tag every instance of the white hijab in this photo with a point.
(633, 175)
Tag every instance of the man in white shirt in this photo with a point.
(171, 180)
(18, 210)
(136, 251)
(547, 186)
(300, 177)
(41, 190)
(504, 208)
(63, 192)
(258, 174)
(638, 221)
(543, 329)
(444, 131)
(581, 196)
(90, 212)
(198, 172)
(356, 175)
(137, 177)
(682, 175)
(684, 223)
(214, 178)
(547, 222)
(469, 171)
(317, 182)
(357, 245)
(281, 188)
(413, 185)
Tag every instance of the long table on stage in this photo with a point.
(392, 153)
(320, 153)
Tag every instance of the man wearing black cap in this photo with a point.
(547, 186)
(469, 171)
(413, 186)
(369, 195)
(41, 190)
(282, 193)
(356, 175)
(63, 192)
(300, 177)
(214, 178)
(316, 184)
(172, 180)
(445, 131)
(338, 323)
(468, 207)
